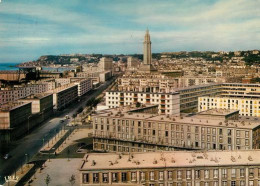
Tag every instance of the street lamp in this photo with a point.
(43, 142)
(28, 124)
(26, 155)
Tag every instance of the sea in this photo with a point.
(8, 66)
(12, 66)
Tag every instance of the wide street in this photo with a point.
(28, 146)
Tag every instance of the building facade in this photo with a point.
(167, 103)
(188, 97)
(123, 130)
(180, 168)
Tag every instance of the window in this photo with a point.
(160, 175)
(105, 177)
(215, 183)
(179, 174)
(95, 177)
(85, 177)
(251, 172)
(247, 134)
(123, 176)
(197, 174)
(152, 175)
(215, 173)
(233, 173)
(251, 183)
(114, 177)
(224, 183)
(206, 184)
(169, 175)
(206, 174)
(133, 176)
(224, 173)
(142, 176)
(242, 183)
(233, 183)
(188, 174)
(242, 172)
(238, 133)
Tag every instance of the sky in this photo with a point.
(31, 28)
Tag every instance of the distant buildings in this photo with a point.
(212, 168)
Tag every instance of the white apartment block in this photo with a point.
(188, 97)
(167, 103)
(84, 85)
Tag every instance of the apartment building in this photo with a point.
(241, 90)
(167, 103)
(246, 106)
(243, 97)
(178, 168)
(128, 130)
(12, 117)
(84, 86)
(41, 103)
(13, 94)
(188, 97)
(64, 95)
(162, 83)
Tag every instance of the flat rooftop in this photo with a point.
(11, 106)
(127, 112)
(37, 96)
(104, 161)
(218, 112)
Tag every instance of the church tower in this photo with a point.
(147, 48)
(147, 66)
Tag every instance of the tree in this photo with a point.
(47, 179)
(72, 179)
(80, 109)
(138, 104)
(74, 116)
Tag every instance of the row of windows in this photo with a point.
(180, 175)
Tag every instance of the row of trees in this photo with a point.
(72, 179)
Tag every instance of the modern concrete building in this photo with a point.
(130, 130)
(41, 103)
(65, 95)
(147, 66)
(15, 93)
(167, 103)
(188, 97)
(105, 64)
(243, 97)
(179, 168)
(14, 117)
(84, 86)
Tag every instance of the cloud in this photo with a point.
(118, 26)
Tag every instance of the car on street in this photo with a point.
(7, 156)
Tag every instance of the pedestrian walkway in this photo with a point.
(51, 143)
(75, 135)
(19, 174)
(60, 171)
